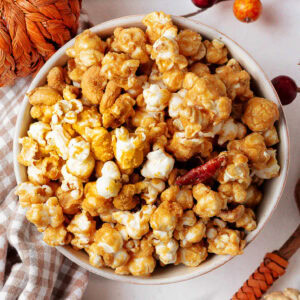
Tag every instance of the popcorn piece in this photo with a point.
(58, 139)
(83, 227)
(233, 192)
(271, 137)
(57, 236)
(189, 42)
(128, 148)
(164, 220)
(36, 173)
(150, 189)
(209, 93)
(227, 241)
(88, 118)
(29, 153)
(88, 49)
(56, 78)
(101, 143)
(189, 235)
(120, 68)
(253, 145)
(165, 52)
(192, 256)
(95, 259)
(187, 219)
(81, 162)
(44, 95)
(237, 81)
(142, 263)
(75, 71)
(236, 170)
(71, 184)
(247, 220)
(44, 214)
(253, 196)
(271, 168)
(156, 99)
(42, 113)
(66, 111)
(146, 119)
(199, 69)
(159, 164)
(173, 79)
(216, 52)
(94, 203)
(108, 185)
(156, 23)
(71, 92)
(112, 92)
(92, 84)
(166, 251)
(176, 103)
(230, 131)
(38, 132)
(260, 114)
(119, 112)
(232, 215)
(126, 199)
(183, 196)
(184, 148)
(30, 193)
(69, 203)
(137, 224)
(131, 41)
(209, 203)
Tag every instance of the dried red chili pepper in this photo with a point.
(203, 172)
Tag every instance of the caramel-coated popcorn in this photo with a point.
(122, 154)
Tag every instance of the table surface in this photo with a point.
(274, 41)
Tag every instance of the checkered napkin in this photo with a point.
(29, 269)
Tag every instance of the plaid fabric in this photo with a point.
(29, 269)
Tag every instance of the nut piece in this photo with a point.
(56, 78)
(93, 84)
(44, 95)
(112, 91)
(260, 114)
(119, 112)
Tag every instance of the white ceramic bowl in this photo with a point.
(272, 189)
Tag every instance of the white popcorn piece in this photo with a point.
(166, 251)
(159, 164)
(38, 132)
(137, 224)
(156, 99)
(109, 185)
(79, 149)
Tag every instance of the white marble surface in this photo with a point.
(274, 41)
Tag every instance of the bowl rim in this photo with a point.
(147, 280)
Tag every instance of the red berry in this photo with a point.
(247, 10)
(204, 3)
(286, 88)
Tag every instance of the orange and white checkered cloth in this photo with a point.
(29, 269)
